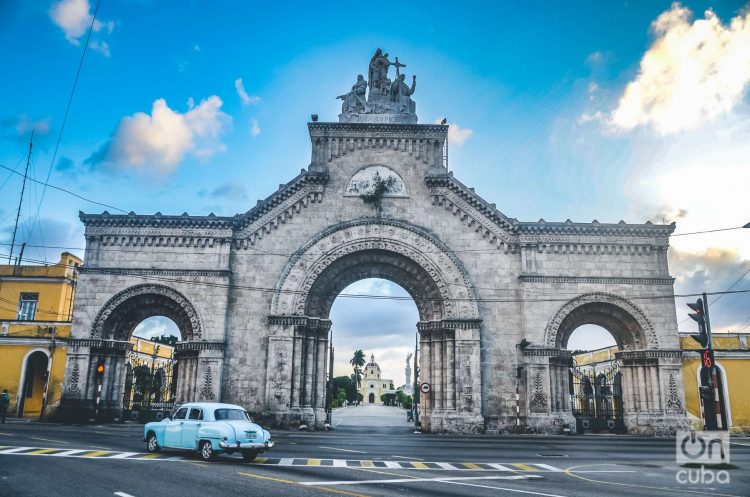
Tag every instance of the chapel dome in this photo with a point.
(372, 364)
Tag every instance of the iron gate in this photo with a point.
(596, 397)
(150, 387)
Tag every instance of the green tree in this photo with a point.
(357, 361)
(346, 386)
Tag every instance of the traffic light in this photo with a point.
(699, 316)
(706, 394)
(99, 369)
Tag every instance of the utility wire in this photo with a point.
(65, 117)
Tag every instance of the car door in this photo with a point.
(190, 428)
(173, 431)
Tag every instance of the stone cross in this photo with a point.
(398, 66)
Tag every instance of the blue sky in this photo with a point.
(558, 112)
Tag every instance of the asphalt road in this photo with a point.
(46, 459)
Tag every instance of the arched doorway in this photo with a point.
(136, 374)
(415, 260)
(647, 378)
(595, 381)
(371, 398)
(34, 379)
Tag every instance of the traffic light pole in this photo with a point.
(713, 381)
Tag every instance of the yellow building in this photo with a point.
(36, 303)
(733, 364)
(372, 385)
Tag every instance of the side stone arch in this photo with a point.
(627, 323)
(119, 316)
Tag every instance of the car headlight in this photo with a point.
(223, 439)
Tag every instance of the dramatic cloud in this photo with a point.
(244, 97)
(456, 134)
(161, 140)
(254, 127)
(714, 269)
(691, 74)
(74, 18)
(231, 190)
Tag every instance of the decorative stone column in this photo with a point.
(450, 363)
(199, 369)
(545, 405)
(653, 395)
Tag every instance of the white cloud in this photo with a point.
(74, 18)
(456, 134)
(161, 140)
(693, 73)
(244, 97)
(254, 127)
(24, 124)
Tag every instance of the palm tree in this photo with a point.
(357, 362)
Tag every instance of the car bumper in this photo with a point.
(248, 445)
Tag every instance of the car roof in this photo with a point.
(211, 405)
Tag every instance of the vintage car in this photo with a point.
(208, 428)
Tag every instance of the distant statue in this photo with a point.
(408, 358)
(354, 101)
(401, 93)
(378, 73)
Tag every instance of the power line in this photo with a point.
(46, 184)
(65, 116)
(707, 231)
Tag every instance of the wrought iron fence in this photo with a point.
(150, 384)
(596, 397)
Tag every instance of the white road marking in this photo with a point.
(122, 494)
(14, 449)
(547, 466)
(410, 458)
(411, 480)
(123, 455)
(343, 450)
(502, 488)
(69, 453)
(338, 463)
(445, 465)
(392, 465)
(503, 468)
(287, 461)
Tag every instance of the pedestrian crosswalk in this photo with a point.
(286, 461)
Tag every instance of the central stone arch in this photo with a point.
(405, 254)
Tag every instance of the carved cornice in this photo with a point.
(217, 273)
(377, 130)
(595, 228)
(604, 280)
(158, 220)
(449, 324)
(288, 320)
(630, 355)
(97, 343)
(198, 345)
(548, 352)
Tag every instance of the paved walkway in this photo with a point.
(372, 417)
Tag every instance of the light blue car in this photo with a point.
(208, 428)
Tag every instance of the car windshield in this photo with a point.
(230, 415)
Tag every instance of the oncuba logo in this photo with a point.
(702, 447)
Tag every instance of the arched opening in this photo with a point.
(141, 379)
(374, 340)
(33, 385)
(595, 380)
(151, 369)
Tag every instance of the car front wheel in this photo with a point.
(249, 455)
(206, 451)
(151, 444)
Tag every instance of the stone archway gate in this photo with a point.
(257, 287)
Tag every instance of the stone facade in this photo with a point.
(252, 292)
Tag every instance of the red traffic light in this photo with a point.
(699, 314)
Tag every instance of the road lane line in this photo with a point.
(6, 434)
(122, 494)
(48, 440)
(67, 453)
(14, 450)
(339, 463)
(313, 462)
(524, 467)
(419, 465)
(343, 450)
(549, 468)
(415, 479)
(392, 465)
(572, 473)
(499, 466)
(366, 464)
(294, 483)
(96, 453)
(502, 488)
(412, 458)
(150, 456)
(42, 451)
(471, 466)
(123, 455)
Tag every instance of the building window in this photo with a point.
(27, 306)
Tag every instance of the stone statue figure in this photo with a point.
(354, 101)
(401, 93)
(378, 73)
(408, 358)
